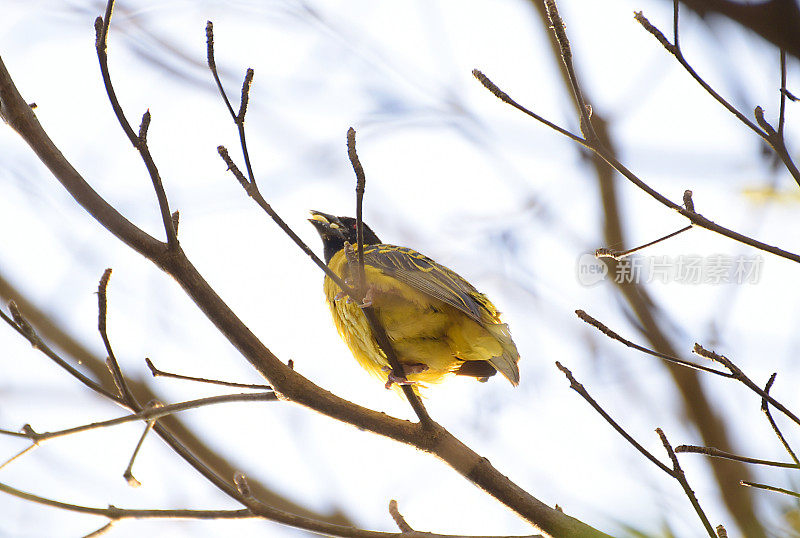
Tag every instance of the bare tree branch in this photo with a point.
(766, 131)
(776, 489)
(675, 472)
(717, 453)
(695, 218)
(678, 474)
(669, 358)
(378, 332)
(160, 373)
(139, 141)
(149, 414)
(766, 411)
(174, 432)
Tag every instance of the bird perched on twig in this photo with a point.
(438, 323)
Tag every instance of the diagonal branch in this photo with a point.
(149, 414)
(114, 513)
(21, 325)
(717, 453)
(675, 472)
(775, 428)
(375, 324)
(680, 476)
(745, 380)
(669, 358)
(113, 365)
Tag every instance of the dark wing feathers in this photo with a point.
(427, 276)
(422, 273)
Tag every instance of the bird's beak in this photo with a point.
(320, 217)
(324, 223)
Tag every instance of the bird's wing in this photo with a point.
(424, 274)
(437, 281)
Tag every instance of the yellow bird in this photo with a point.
(439, 324)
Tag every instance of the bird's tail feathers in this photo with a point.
(506, 363)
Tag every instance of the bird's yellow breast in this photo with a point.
(423, 329)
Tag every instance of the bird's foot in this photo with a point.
(341, 295)
(408, 369)
(367, 301)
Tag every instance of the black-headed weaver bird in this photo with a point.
(438, 323)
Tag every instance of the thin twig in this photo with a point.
(116, 372)
(675, 15)
(139, 142)
(238, 118)
(361, 180)
(767, 133)
(128, 474)
(160, 373)
(243, 181)
(101, 25)
(11, 433)
(19, 454)
(503, 96)
(212, 65)
(676, 472)
(766, 411)
(742, 378)
(782, 113)
(113, 512)
(618, 255)
(669, 358)
(680, 476)
(717, 453)
(29, 334)
(776, 489)
(378, 331)
(153, 414)
(170, 224)
(560, 32)
(101, 531)
(249, 183)
(398, 518)
(577, 387)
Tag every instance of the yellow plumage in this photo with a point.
(437, 322)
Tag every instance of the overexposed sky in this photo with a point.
(452, 172)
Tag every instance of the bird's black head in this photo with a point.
(335, 231)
